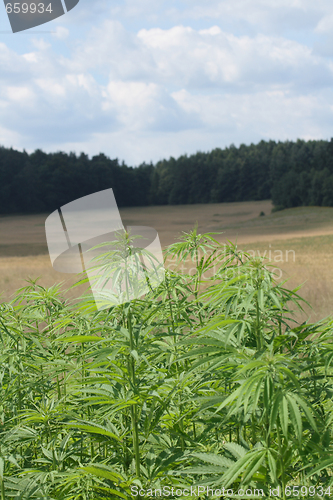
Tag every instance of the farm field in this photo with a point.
(299, 241)
(168, 391)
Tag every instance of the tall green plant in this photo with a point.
(204, 380)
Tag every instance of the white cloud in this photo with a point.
(158, 92)
(142, 106)
(201, 59)
(225, 119)
(22, 96)
(261, 13)
(249, 16)
(268, 114)
(60, 33)
(8, 137)
(40, 44)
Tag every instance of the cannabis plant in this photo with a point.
(205, 380)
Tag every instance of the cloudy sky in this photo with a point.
(143, 80)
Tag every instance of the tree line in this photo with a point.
(290, 173)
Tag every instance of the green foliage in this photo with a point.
(290, 173)
(201, 382)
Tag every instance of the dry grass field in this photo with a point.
(299, 241)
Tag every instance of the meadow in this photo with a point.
(299, 241)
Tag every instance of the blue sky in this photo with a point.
(143, 80)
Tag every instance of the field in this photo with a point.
(182, 388)
(299, 241)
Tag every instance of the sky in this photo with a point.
(143, 80)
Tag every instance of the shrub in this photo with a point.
(206, 380)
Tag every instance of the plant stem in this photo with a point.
(259, 338)
(197, 284)
(136, 439)
(282, 465)
(254, 437)
(134, 414)
(2, 488)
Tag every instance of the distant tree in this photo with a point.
(290, 173)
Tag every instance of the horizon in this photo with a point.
(144, 162)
